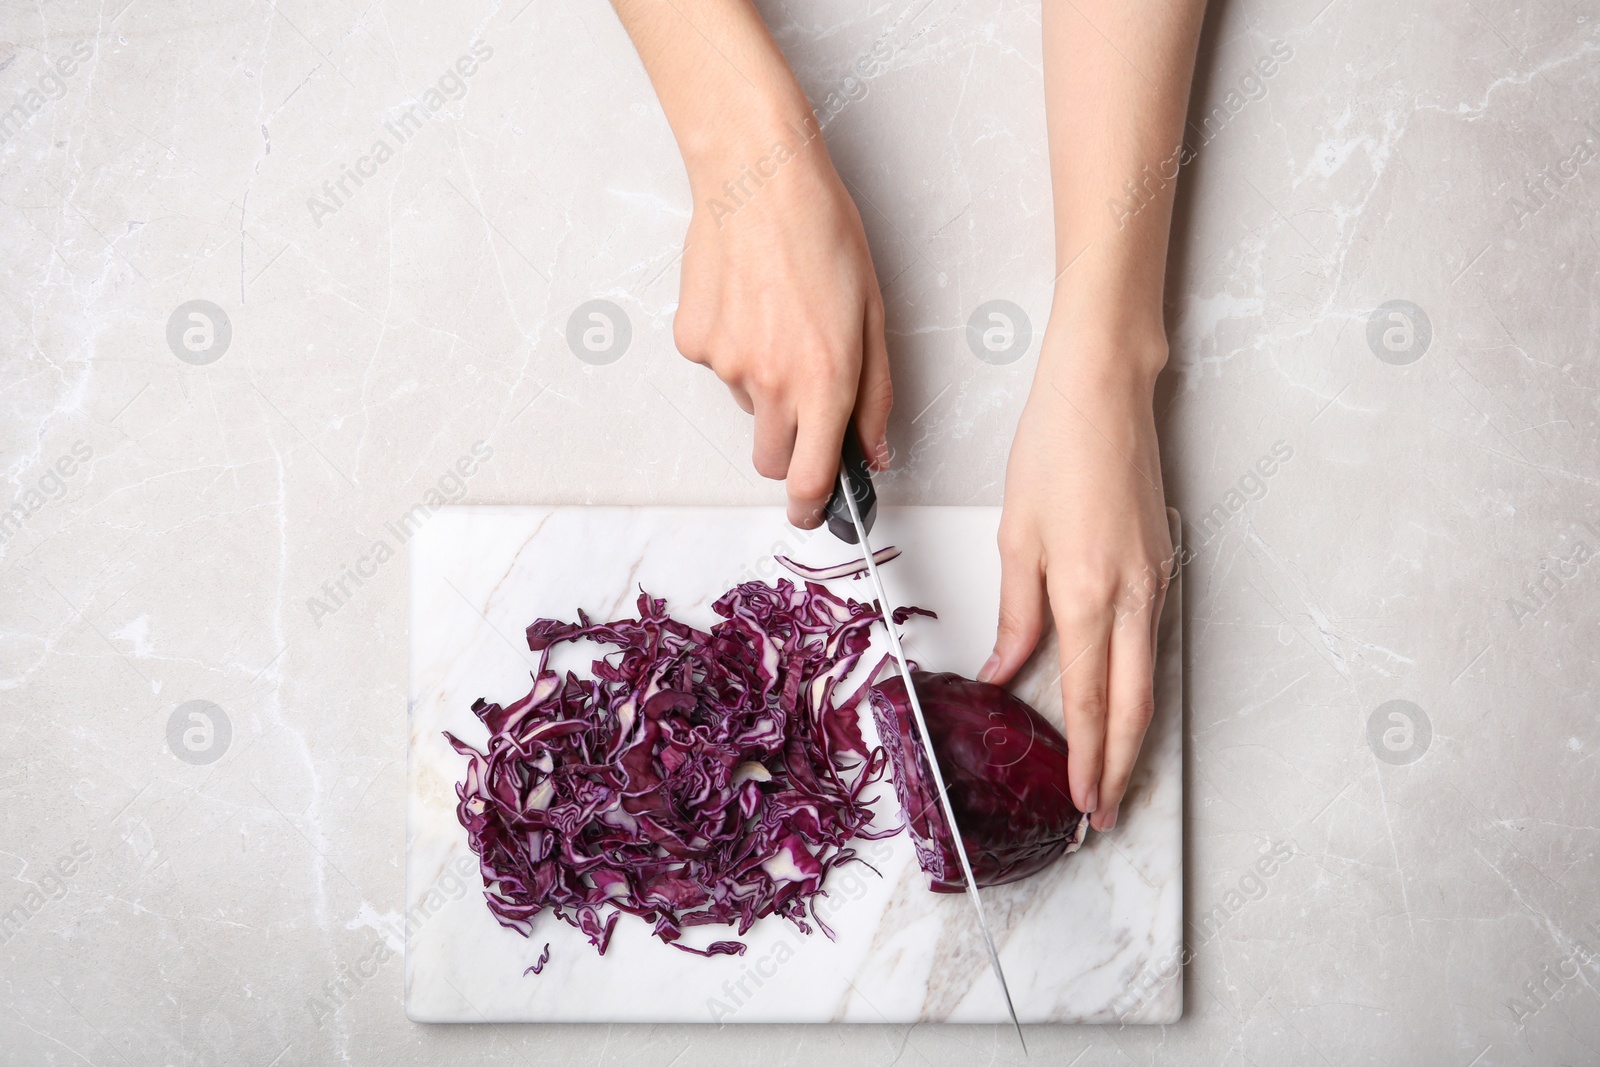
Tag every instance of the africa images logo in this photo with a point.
(451, 85)
(51, 486)
(51, 85)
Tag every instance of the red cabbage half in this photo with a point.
(698, 778)
(1005, 766)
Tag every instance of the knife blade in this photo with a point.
(855, 487)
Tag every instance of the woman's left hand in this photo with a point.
(1084, 532)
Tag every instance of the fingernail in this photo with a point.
(990, 665)
(883, 452)
(1093, 798)
(1111, 818)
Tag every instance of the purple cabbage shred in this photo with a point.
(698, 778)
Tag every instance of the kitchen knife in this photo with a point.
(858, 501)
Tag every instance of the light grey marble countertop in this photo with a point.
(194, 493)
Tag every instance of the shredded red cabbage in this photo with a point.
(699, 778)
(905, 611)
(839, 570)
(1005, 767)
(538, 966)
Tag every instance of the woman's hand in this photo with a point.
(777, 291)
(1084, 532)
(1084, 528)
(779, 298)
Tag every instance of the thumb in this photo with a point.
(1022, 603)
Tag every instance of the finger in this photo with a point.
(815, 465)
(774, 444)
(875, 396)
(1131, 706)
(741, 396)
(1021, 614)
(1085, 650)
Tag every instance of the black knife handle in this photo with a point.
(853, 464)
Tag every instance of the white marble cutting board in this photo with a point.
(1095, 938)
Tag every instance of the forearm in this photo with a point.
(727, 91)
(1117, 81)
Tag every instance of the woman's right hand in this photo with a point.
(778, 296)
(777, 292)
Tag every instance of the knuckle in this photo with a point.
(1013, 539)
(1086, 702)
(770, 466)
(809, 484)
(766, 378)
(1132, 605)
(691, 334)
(1015, 623)
(1083, 594)
(1138, 712)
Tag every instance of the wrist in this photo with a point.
(1106, 322)
(1107, 353)
(750, 145)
